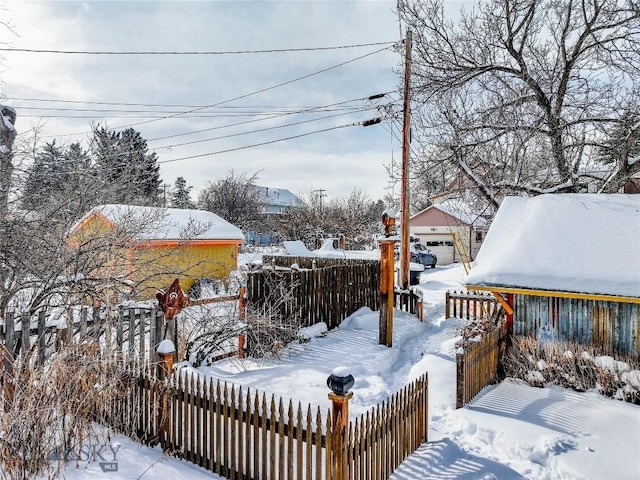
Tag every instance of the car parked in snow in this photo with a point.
(418, 253)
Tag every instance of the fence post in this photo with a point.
(420, 305)
(166, 351)
(25, 325)
(386, 291)
(7, 359)
(340, 381)
(42, 343)
(242, 316)
(460, 380)
(242, 339)
(447, 309)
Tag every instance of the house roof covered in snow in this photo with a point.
(458, 209)
(280, 197)
(157, 223)
(586, 244)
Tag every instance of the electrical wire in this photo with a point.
(266, 89)
(292, 137)
(269, 142)
(308, 110)
(204, 52)
(258, 130)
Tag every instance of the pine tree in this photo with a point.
(124, 163)
(180, 196)
(46, 177)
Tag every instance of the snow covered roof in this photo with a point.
(279, 196)
(581, 243)
(458, 209)
(157, 223)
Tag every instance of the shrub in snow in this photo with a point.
(50, 410)
(274, 323)
(475, 330)
(207, 332)
(574, 366)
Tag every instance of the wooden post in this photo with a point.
(386, 291)
(339, 422)
(460, 380)
(166, 353)
(447, 308)
(42, 344)
(510, 314)
(242, 303)
(339, 382)
(241, 345)
(404, 193)
(7, 360)
(25, 325)
(340, 408)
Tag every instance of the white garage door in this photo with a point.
(442, 245)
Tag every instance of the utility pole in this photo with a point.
(321, 195)
(406, 139)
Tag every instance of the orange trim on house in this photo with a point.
(91, 217)
(508, 308)
(550, 293)
(186, 243)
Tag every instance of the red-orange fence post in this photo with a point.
(340, 381)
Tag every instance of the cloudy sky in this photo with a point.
(217, 108)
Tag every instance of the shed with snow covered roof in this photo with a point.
(569, 266)
(437, 225)
(147, 247)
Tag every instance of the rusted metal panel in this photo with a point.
(612, 327)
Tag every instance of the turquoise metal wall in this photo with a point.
(614, 327)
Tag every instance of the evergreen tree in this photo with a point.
(180, 196)
(83, 186)
(124, 163)
(143, 166)
(46, 177)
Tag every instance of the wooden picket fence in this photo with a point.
(287, 261)
(410, 301)
(242, 434)
(328, 294)
(477, 365)
(322, 290)
(134, 331)
(469, 305)
(377, 442)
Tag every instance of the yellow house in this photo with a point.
(145, 248)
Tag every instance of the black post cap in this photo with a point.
(340, 382)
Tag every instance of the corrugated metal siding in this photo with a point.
(612, 326)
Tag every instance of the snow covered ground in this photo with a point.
(510, 431)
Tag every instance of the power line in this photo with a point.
(259, 130)
(307, 110)
(115, 113)
(204, 52)
(269, 142)
(288, 82)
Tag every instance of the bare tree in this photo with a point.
(235, 198)
(356, 217)
(518, 95)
